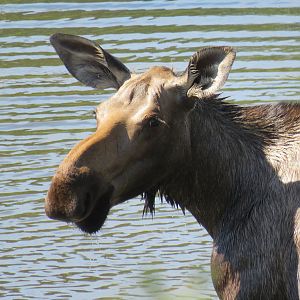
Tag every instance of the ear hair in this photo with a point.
(208, 71)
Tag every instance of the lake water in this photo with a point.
(44, 112)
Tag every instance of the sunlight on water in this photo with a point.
(44, 112)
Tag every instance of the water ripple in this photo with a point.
(44, 112)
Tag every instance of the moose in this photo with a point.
(235, 168)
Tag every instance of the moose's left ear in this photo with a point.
(208, 70)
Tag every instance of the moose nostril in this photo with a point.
(87, 203)
(72, 195)
(82, 206)
(87, 199)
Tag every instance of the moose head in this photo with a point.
(143, 135)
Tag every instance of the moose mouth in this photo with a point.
(98, 214)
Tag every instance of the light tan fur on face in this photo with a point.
(113, 147)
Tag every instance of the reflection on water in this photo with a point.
(44, 112)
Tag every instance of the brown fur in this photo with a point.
(236, 169)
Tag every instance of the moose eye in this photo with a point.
(154, 122)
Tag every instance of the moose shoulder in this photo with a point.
(236, 169)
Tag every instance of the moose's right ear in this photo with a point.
(88, 62)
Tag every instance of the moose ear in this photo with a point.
(88, 62)
(208, 70)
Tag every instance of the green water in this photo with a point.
(44, 112)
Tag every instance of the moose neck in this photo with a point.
(227, 158)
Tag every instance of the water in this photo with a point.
(44, 112)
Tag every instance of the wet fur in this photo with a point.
(231, 184)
